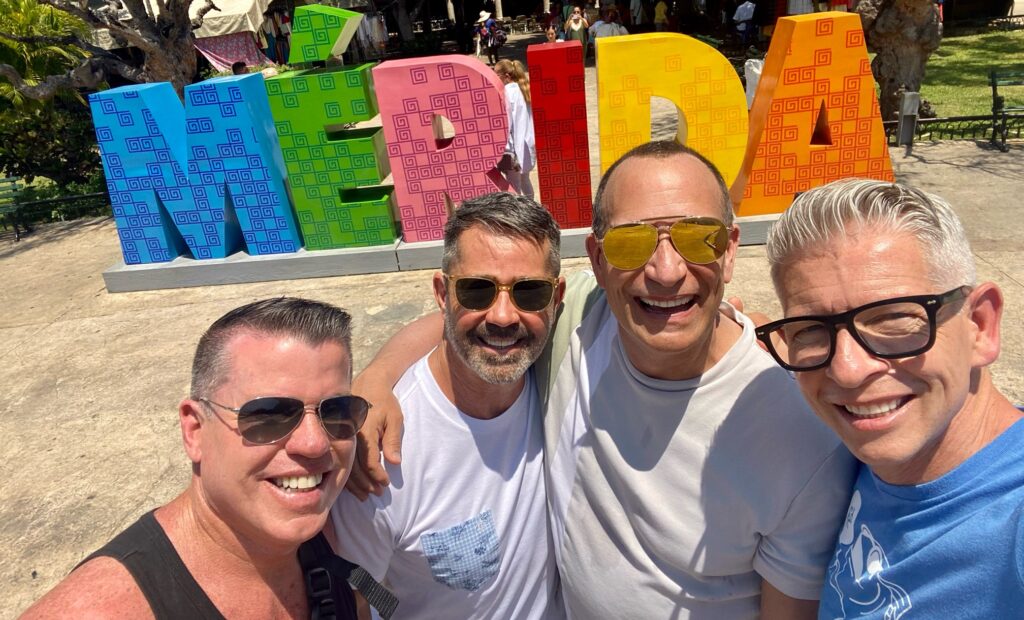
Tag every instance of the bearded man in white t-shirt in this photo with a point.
(463, 532)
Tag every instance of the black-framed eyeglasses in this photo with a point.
(889, 329)
(480, 292)
(270, 419)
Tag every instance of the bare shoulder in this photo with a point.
(100, 588)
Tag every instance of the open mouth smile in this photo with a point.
(667, 306)
(298, 484)
(871, 411)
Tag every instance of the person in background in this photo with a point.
(610, 26)
(576, 27)
(486, 26)
(552, 36)
(661, 16)
(744, 18)
(239, 68)
(521, 143)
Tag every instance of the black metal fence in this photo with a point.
(63, 208)
(957, 128)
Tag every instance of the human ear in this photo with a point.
(985, 308)
(730, 253)
(440, 287)
(190, 416)
(594, 252)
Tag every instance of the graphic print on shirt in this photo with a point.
(857, 573)
(464, 556)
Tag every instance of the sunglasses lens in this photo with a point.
(343, 416)
(700, 240)
(532, 295)
(475, 293)
(630, 246)
(266, 420)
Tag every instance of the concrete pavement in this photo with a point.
(91, 380)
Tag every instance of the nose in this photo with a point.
(666, 266)
(503, 312)
(309, 438)
(851, 363)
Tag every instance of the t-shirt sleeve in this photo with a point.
(364, 532)
(794, 556)
(581, 290)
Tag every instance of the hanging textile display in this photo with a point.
(224, 50)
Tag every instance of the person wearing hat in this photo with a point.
(486, 27)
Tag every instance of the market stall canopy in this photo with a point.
(233, 16)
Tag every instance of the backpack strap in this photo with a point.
(319, 563)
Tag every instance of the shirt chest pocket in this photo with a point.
(464, 556)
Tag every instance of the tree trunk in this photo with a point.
(903, 34)
(403, 21)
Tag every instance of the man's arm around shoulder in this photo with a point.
(100, 588)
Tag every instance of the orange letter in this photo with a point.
(815, 117)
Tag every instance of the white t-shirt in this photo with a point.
(672, 499)
(462, 532)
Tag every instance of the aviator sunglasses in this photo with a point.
(480, 293)
(270, 419)
(699, 240)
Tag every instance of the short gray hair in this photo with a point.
(313, 322)
(506, 214)
(659, 149)
(828, 212)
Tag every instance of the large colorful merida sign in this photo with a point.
(212, 177)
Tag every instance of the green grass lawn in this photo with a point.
(956, 77)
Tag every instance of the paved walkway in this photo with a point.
(91, 380)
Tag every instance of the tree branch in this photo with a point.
(197, 21)
(90, 74)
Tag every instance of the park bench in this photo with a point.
(10, 187)
(1000, 109)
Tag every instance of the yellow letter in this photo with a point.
(692, 75)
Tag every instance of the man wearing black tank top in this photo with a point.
(264, 475)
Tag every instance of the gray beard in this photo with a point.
(492, 368)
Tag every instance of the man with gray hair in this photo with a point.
(264, 475)
(463, 530)
(890, 336)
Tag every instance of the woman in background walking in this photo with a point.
(521, 150)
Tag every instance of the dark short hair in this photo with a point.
(238, 67)
(313, 322)
(502, 213)
(659, 149)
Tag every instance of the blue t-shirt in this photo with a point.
(949, 548)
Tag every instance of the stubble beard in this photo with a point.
(496, 369)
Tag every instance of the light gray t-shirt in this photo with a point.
(673, 499)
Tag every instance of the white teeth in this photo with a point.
(873, 411)
(667, 303)
(499, 342)
(299, 482)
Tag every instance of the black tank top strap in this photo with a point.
(146, 551)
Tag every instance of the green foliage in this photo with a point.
(56, 141)
(34, 61)
(956, 78)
